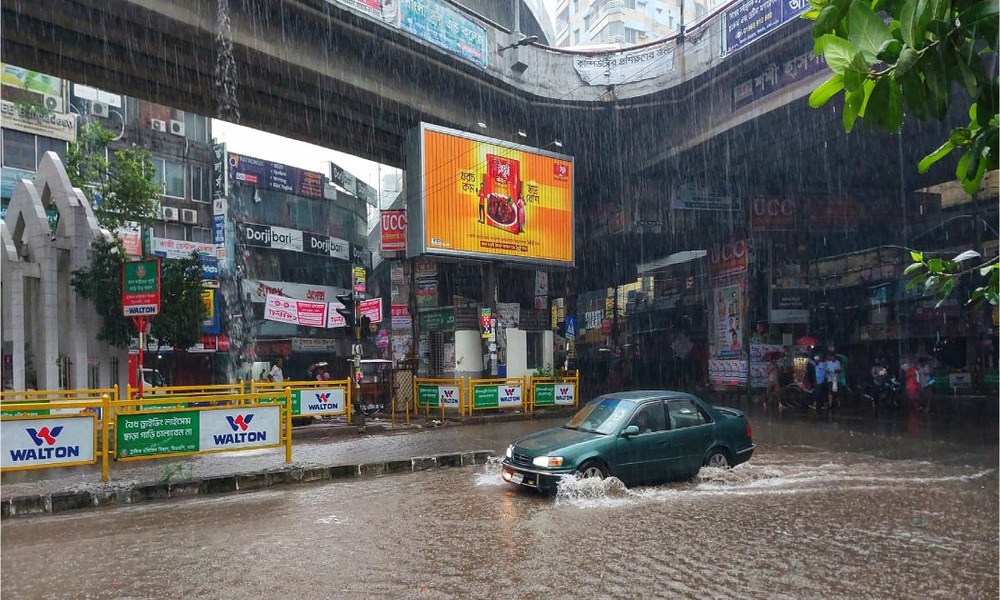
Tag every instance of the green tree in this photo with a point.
(120, 184)
(891, 57)
(181, 309)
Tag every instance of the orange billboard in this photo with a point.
(485, 198)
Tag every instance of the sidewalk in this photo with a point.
(321, 451)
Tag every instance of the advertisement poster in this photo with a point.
(393, 230)
(751, 20)
(485, 198)
(275, 176)
(141, 288)
(358, 275)
(727, 310)
(426, 280)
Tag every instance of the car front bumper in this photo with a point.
(544, 480)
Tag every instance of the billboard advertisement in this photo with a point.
(479, 197)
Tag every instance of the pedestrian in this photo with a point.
(819, 390)
(911, 374)
(833, 372)
(277, 375)
(773, 385)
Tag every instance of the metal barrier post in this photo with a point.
(288, 424)
(105, 417)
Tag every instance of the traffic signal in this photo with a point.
(366, 327)
(348, 309)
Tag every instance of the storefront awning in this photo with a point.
(674, 259)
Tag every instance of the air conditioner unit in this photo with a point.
(99, 109)
(189, 216)
(54, 103)
(169, 213)
(177, 127)
(157, 125)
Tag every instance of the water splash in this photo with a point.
(592, 491)
(225, 67)
(490, 475)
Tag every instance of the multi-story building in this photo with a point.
(623, 22)
(297, 237)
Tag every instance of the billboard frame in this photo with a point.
(416, 200)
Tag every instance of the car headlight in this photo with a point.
(510, 450)
(548, 462)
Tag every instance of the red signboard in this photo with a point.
(372, 309)
(728, 259)
(393, 230)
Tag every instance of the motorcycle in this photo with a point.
(885, 391)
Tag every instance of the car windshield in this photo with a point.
(602, 415)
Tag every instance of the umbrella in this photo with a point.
(807, 340)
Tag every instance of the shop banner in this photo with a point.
(371, 8)
(393, 230)
(210, 323)
(499, 396)
(353, 185)
(436, 22)
(434, 396)
(38, 120)
(333, 317)
(693, 198)
(48, 441)
(220, 178)
(555, 394)
(311, 314)
(751, 20)
(772, 214)
(775, 77)
(437, 320)
(274, 176)
(9, 178)
(625, 66)
(176, 249)
(258, 290)
(372, 309)
(281, 309)
(318, 402)
(727, 259)
(487, 198)
(789, 305)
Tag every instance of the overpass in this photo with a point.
(320, 72)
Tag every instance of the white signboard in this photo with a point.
(48, 441)
(448, 396)
(321, 402)
(614, 68)
(565, 394)
(283, 238)
(240, 428)
(166, 248)
(258, 290)
(281, 309)
(508, 395)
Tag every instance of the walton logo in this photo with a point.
(510, 391)
(240, 423)
(44, 435)
(45, 446)
(323, 397)
(563, 391)
(449, 393)
(325, 403)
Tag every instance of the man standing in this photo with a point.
(277, 375)
(819, 391)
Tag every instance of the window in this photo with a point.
(649, 418)
(685, 413)
(201, 184)
(195, 127)
(46, 144)
(171, 176)
(588, 21)
(632, 36)
(19, 150)
(168, 231)
(535, 353)
(201, 234)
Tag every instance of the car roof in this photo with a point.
(638, 395)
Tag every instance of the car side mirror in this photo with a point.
(630, 431)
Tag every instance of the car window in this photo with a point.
(685, 413)
(602, 415)
(649, 418)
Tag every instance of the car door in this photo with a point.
(691, 436)
(641, 458)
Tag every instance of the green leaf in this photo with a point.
(853, 101)
(917, 257)
(968, 254)
(913, 268)
(893, 120)
(889, 51)
(913, 19)
(960, 136)
(986, 270)
(907, 58)
(827, 20)
(828, 89)
(838, 53)
(933, 157)
(938, 86)
(914, 94)
(935, 265)
(987, 10)
(867, 32)
(856, 74)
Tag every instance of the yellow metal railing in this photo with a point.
(438, 393)
(317, 398)
(554, 391)
(497, 393)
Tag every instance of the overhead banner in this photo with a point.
(751, 20)
(292, 240)
(626, 66)
(479, 197)
(257, 291)
(353, 185)
(437, 22)
(315, 314)
(274, 176)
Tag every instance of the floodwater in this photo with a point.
(819, 512)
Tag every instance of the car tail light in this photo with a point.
(749, 431)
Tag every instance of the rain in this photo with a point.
(655, 207)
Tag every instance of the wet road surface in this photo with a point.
(821, 511)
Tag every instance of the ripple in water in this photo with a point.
(490, 475)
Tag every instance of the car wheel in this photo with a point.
(591, 468)
(718, 458)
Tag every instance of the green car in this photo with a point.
(640, 437)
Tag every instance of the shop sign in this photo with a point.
(141, 288)
(727, 259)
(789, 305)
(437, 320)
(274, 176)
(772, 214)
(178, 249)
(393, 230)
(38, 121)
(437, 23)
(750, 20)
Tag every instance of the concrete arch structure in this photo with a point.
(38, 262)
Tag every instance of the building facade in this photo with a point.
(623, 22)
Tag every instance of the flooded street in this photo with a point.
(820, 511)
